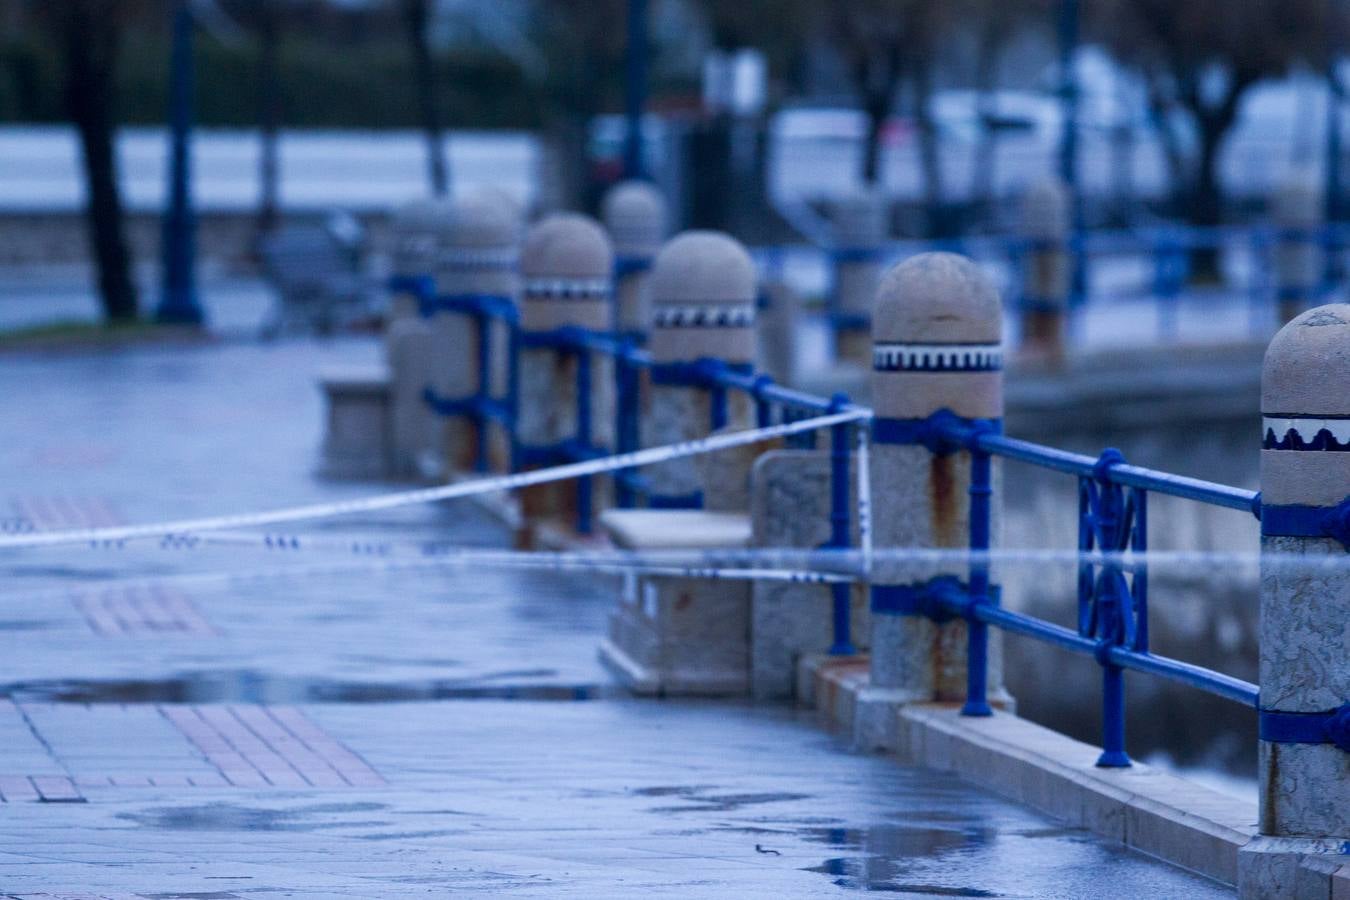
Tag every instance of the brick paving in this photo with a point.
(323, 742)
(140, 610)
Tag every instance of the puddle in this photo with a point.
(886, 851)
(27, 624)
(228, 817)
(247, 686)
(702, 801)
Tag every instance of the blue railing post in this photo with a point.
(763, 408)
(977, 635)
(840, 520)
(717, 396)
(483, 324)
(1108, 611)
(513, 390)
(1170, 264)
(585, 484)
(626, 414)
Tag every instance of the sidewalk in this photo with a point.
(397, 734)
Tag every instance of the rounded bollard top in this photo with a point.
(1307, 366)
(1297, 201)
(860, 219)
(567, 264)
(425, 214)
(937, 328)
(1045, 209)
(635, 215)
(479, 246)
(703, 290)
(414, 227)
(937, 298)
(483, 218)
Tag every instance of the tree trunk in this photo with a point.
(983, 182)
(416, 16)
(1206, 201)
(90, 45)
(877, 109)
(930, 162)
(269, 117)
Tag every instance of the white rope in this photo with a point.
(430, 495)
(865, 500)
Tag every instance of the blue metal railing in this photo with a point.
(481, 408)
(1167, 249)
(1112, 624)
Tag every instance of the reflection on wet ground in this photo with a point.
(393, 734)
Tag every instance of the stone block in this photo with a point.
(790, 508)
(356, 439)
(680, 636)
(1275, 868)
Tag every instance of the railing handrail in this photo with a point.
(1123, 474)
(1106, 479)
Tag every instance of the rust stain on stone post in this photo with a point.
(942, 500)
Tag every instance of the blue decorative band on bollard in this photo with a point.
(631, 265)
(941, 599)
(941, 433)
(420, 286)
(1308, 521)
(1330, 727)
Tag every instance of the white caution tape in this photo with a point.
(668, 564)
(865, 500)
(187, 527)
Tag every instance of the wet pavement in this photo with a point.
(196, 723)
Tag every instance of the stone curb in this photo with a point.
(1145, 809)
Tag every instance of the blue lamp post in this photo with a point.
(178, 301)
(1332, 187)
(1068, 144)
(635, 89)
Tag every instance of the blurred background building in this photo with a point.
(757, 113)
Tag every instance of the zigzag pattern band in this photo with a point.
(937, 357)
(478, 258)
(705, 315)
(567, 289)
(1294, 433)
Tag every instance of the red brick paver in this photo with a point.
(260, 746)
(140, 610)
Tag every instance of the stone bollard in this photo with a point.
(567, 264)
(415, 229)
(410, 343)
(1047, 276)
(477, 257)
(778, 322)
(936, 331)
(860, 230)
(414, 428)
(703, 307)
(690, 635)
(635, 216)
(1296, 210)
(1305, 612)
